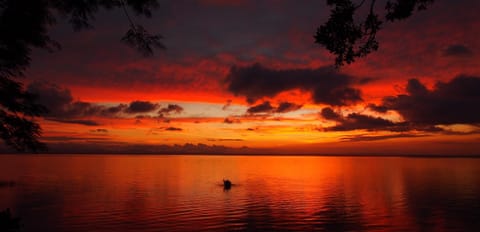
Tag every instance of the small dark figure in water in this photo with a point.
(227, 184)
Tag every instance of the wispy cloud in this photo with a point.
(363, 138)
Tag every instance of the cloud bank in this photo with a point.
(63, 108)
(326, 85)
(455, 101)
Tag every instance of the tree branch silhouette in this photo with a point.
(24, 25)
(349, 38)
(139, 38)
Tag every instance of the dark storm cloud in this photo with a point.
(376, 108)
(216, 29)
(246, 33)
(51, 96)
(285, 107)
(62, 108)
(329, 114)
(141, 107)
(115, 109)
(83, 109)
(356, 121)
(456, 101)
(266, 107)
(60, 104)
(457, 50)
(170, 128)
(171, 108)
(326, 85)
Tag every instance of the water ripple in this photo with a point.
(183, 194)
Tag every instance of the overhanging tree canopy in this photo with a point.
(348, 37)
(24, 25)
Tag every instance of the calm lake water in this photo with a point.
(270, 193)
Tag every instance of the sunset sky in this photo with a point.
(246, 77)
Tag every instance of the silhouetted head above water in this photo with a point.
(227, 184)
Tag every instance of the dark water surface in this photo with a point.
(270, 193)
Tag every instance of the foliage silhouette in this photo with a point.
(24, 25)
(17, 128)
(8, 223)
(347, 38)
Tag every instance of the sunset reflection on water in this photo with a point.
(185, 193)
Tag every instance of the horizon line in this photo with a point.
(254, 154)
